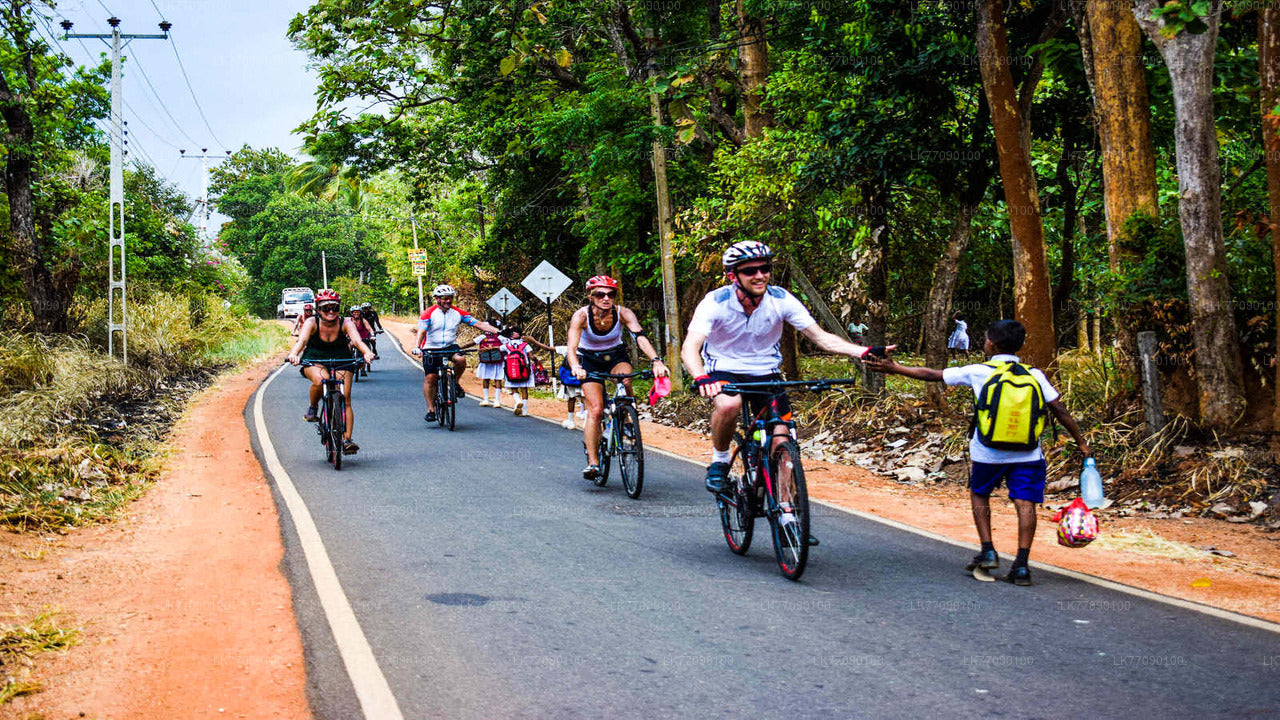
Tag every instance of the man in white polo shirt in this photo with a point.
(735, 337)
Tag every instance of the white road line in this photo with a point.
(372, 690)
(1083, 577)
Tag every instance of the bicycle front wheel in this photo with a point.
(449, 411)
(737, 516)
(630, 451)
(442, 384)
(789, 510)
(337, 428)
(605, 453)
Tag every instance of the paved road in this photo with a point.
(492, 581)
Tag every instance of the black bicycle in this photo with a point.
(775, 489)
(620, 434)
(446, 387)
(333, 407)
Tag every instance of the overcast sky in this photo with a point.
(251, 83)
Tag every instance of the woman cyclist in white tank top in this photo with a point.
(595, 344)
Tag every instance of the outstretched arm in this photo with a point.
(1064, 416)
(632, 323)
(303, 336)
(575, 336)
(888, 366)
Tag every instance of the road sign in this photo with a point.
(546, 282)
(504, 302)
(418, 259)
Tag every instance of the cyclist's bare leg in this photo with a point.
(593, 398)
(623, 369)
(429, 391)
(459, 367)
(724, 418)
(346, 377)
(315, 374)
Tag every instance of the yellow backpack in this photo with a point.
(1010, 411)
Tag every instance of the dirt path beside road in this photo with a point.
(183, 607)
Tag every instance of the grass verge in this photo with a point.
(19, 644)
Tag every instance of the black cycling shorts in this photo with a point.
(602, 361)
(754, 401)
(431, 364)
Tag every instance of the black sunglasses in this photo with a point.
(605, 294)
(329, 308)
(755, 270)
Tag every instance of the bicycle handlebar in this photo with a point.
(333, 364)
(775, 386)
(445, 352)
(642, 374)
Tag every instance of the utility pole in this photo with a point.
(480, 209)
(203, 157)
(674, 337)
(324, 270)
(115, 224)
(413, 222)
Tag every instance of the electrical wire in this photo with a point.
(163, 107)
(150, 129)
(183, 68)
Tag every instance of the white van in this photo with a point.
(292, 300)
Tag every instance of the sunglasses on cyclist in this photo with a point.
(754, 270)
(605, 294)
(329, 308)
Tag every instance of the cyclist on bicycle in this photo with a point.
(595, 345)
(438, 330)
(375, 324)
(330, 338)
(734, 337)
(308, 311)
(366, 332)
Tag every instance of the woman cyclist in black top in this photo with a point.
(329, 339)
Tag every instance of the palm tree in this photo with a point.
(330, 181)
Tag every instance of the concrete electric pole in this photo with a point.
(203, 157)
(116, 306)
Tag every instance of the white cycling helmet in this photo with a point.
(443, 290)
(743, 251)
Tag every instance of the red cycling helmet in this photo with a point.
(308, 306)
(601, 281)
(327, 296)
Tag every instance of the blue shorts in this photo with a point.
(1025, 480)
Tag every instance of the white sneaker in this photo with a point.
(484, 403)
(568, 424)
(518, 409)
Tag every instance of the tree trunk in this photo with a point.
(937, 314)
(1219, 372)
(1123, 114)
(50, 296)
(873, 270)
(1032, 303)
(1070, 214)
(753, 55)
(1268, 57)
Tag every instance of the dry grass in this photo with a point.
(20, 643)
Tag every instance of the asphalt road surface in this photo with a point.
(492, 581)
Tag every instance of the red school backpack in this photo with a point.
(517, 363)
(490, 349)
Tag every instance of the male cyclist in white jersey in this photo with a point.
(438, 330)
(734, 337)
(595, 345)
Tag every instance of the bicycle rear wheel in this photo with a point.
(630, 451)
(789, 510)
(737, 515)
(337, 428)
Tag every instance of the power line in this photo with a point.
(163, 107)
(183, 68)
(144, 124)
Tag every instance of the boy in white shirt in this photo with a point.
(1022, 470)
